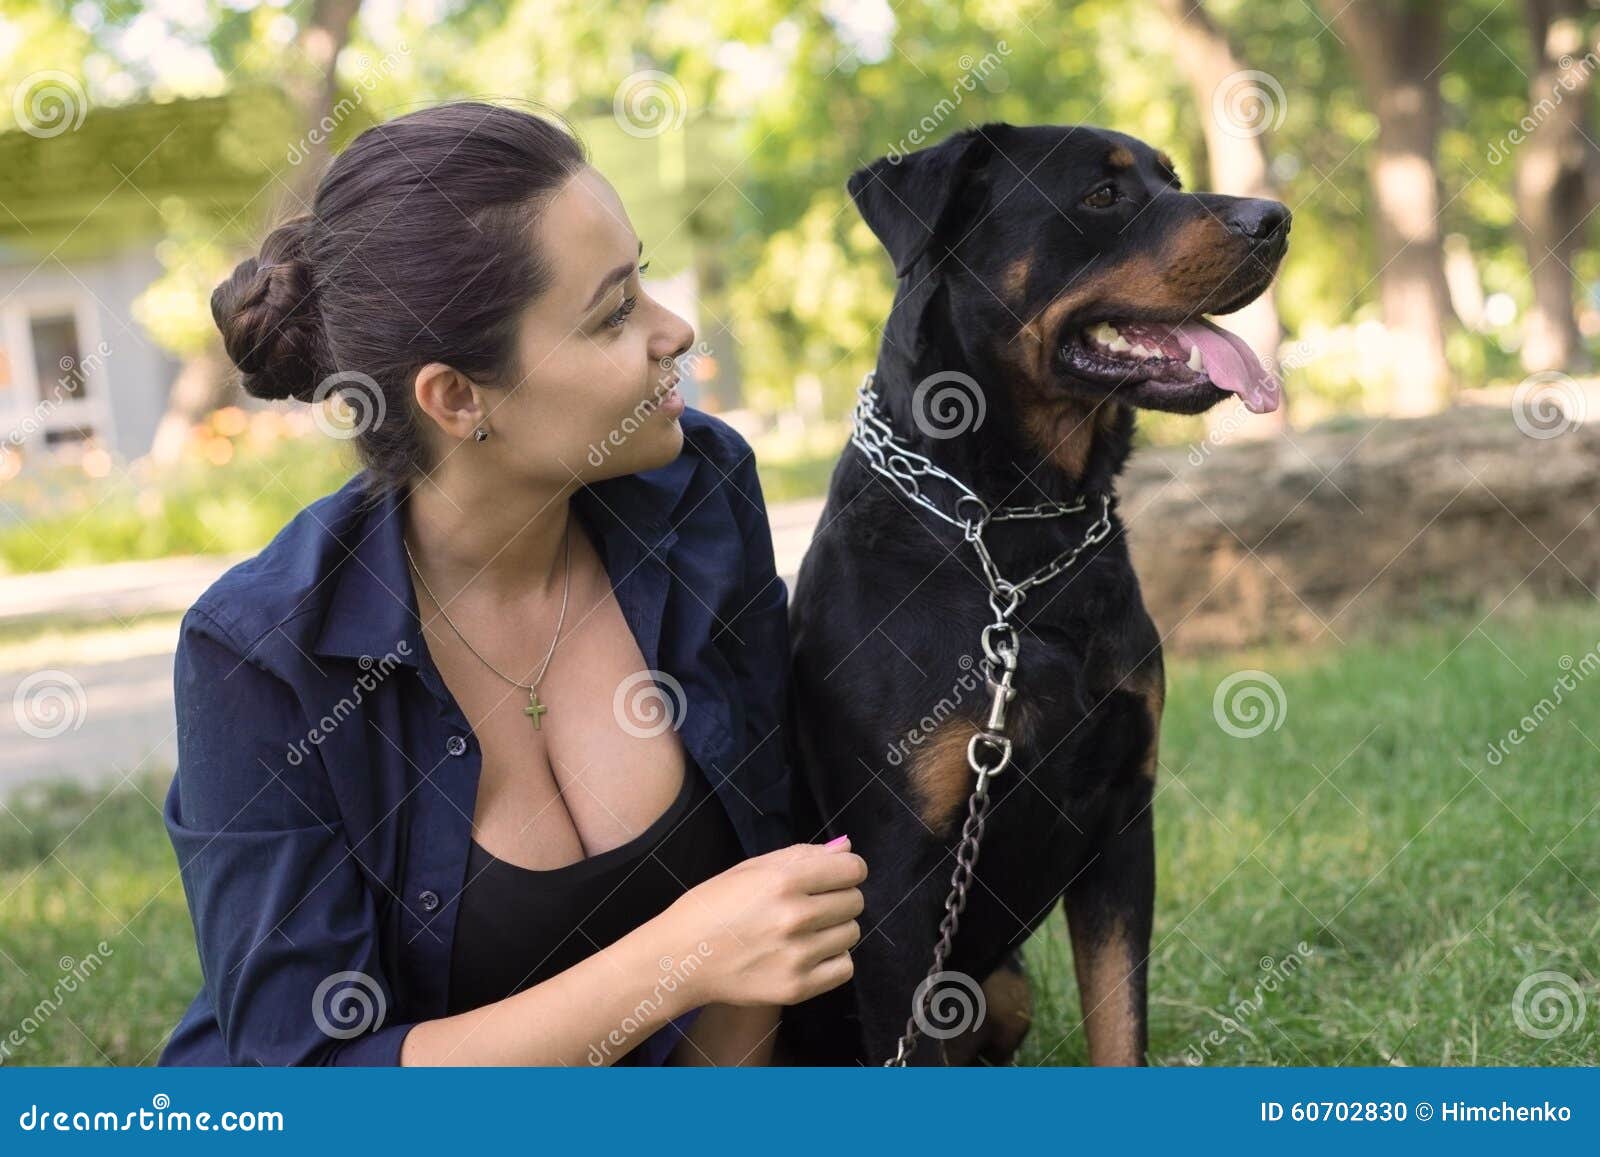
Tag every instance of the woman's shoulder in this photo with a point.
(288, 580)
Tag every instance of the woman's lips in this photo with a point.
(670, 401)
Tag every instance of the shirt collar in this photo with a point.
(373, 606)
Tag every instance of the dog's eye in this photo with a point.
(1102, 198)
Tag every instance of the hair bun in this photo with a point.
(267, 313)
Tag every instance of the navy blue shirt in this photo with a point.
(323, 802)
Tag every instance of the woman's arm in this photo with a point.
(592, 1014)
(729, 1034)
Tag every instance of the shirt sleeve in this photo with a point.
(285, 922)
(762, 656)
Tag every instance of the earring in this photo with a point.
(480, 434)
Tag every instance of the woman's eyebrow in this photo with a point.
(620, 273)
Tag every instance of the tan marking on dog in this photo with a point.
(1105, 968)
(1149, 685)
(1014, 280)
(1161, 155)
(1009, 1001)
(1120, 157)
(1007, 1017)
(1194, 262)
(938, 773)
(1063, 430)
(939, 776)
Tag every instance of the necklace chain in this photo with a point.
(566, 590)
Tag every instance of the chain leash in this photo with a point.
(989, 749)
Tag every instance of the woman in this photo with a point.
(480, 759)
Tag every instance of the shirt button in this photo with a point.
(428, 900)
(456, 745)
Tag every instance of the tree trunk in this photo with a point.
(1553, 198)
(1394, 46)
(1238, 163)
(204, 381)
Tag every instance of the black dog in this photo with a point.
(1061, 273)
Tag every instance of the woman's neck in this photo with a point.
(503, 544)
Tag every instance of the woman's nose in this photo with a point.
(674, 339)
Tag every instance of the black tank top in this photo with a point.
(519, 926)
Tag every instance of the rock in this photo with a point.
(1343, 527)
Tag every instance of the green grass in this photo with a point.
(1426, 895)
(78, 867)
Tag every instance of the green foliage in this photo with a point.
(197, 507)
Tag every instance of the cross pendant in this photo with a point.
(534, 709)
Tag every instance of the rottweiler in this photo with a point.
(1059, 276)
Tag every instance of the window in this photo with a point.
(57, 358)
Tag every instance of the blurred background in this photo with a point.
(1369, 596)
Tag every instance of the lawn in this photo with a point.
(1359, 885)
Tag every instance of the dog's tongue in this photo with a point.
(1232, 365)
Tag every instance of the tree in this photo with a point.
(1394, 47)
(312, 84)
(1234, 150)
(1554, 196)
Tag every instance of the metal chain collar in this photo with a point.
(989, 749)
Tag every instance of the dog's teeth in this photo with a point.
(1143, 352)
(1104, 333)
(1196, 362)
(1118, 345)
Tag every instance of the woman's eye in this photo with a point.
(620, 316)
(1102, 198)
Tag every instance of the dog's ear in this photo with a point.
(906, 198)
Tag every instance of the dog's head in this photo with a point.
(1072, 261)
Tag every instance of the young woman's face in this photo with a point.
(596, 394)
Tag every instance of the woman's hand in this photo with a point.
(774, 929)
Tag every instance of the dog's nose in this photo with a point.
(1259, 220)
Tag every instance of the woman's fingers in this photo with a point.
(830, 908)
(830, 973)
(826, 872)
(834, 940)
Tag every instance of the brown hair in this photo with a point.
(415, 250)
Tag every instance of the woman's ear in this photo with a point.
(448, 397)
